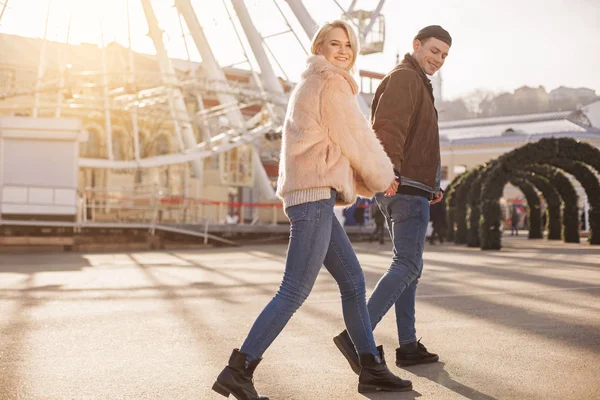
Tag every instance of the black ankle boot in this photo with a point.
(375, 375)
(236, 378)
(345, 345)
(414, 356)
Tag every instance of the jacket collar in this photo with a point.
(412, 63)
(318, 65)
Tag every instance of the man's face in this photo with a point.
(430, 54)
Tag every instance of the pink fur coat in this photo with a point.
(327, 142)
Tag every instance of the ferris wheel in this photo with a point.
(245, 112)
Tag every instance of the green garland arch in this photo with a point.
(451, 206)
(553, 202)
(473, 210)
(534, 213)
(541, 152)
(564, 187)
(591, 185)
(460, 204)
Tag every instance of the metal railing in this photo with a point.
(153, 205)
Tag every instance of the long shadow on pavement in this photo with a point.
(436, 373)
(551, 327)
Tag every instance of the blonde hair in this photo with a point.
(321, 34)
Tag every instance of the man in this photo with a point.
(404, 118)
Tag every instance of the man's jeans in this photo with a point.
(407, 217)
(316, 238)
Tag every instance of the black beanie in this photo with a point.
(434, 31)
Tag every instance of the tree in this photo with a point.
(454, 110)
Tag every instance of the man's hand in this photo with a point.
(391, 191)
(437, 198)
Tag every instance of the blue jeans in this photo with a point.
(316, 238)
(407, 217)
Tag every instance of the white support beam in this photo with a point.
(209, 61)
(41, 65)
(310, 28)
(372, 21)
(308, 23)
(215, 72)
(131, 79)
(267, 73)
(181, 116)
(196, 154)
(106, 98)
(352, 5)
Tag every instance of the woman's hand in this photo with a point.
(391, 191)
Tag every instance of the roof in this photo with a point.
(517, 127)
(551, 116)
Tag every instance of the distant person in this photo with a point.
(404, 117)
(328, 156)
(514, 221)
(438, 221)
(544, 220)
(359, 212)
(379, 219)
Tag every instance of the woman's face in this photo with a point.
(336, 48)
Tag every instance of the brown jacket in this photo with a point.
(404, 119)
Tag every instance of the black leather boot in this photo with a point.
(376, 377)
(236, 378)
(418, 355)
(345, 345)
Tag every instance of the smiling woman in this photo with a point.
(337, 43)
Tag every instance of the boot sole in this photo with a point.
(362, 388)
(222, 390)
(342, 349)
(416, 362)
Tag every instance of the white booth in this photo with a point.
(39, 168)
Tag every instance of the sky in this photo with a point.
(498, 45)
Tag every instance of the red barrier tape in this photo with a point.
(181, 200)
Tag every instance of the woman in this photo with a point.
(329, 155)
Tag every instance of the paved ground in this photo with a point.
(523, 323)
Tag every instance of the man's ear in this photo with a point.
(416, 45)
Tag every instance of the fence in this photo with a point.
(153, 205)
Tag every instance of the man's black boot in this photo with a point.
(406, 356)
(236, 378)
(345, 345)
(376, 377)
